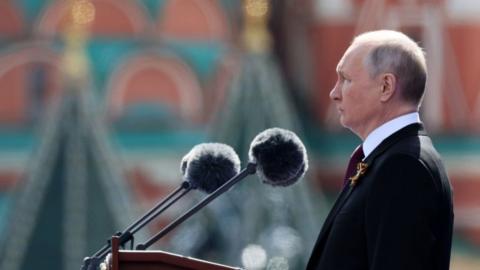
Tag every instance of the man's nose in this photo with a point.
(334, 93)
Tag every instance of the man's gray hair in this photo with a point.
(396, 53)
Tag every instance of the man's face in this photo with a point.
(356, 94)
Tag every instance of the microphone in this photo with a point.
(206, 167)
(281, 156)
(277, 155)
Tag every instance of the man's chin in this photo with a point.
(346, 125)
(343, 122)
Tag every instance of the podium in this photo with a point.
(157, 260)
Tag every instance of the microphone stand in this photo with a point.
(91, 263)
(250, 169)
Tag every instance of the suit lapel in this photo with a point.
(410, 130)
(326, 227)
(336, 206)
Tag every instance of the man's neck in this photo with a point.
(386, 116)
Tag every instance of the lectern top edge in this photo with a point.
(153, 259)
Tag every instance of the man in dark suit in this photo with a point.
(395, 210)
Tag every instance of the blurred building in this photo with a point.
(160, 70)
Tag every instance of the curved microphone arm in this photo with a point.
(127, 234)
(250, 169)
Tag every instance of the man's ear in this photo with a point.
(389, 86)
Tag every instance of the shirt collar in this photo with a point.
(382, 132)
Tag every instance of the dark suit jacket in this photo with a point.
(399, 215)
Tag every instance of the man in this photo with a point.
(395, 210)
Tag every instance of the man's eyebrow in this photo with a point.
(339, 68)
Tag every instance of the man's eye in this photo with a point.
(343, 78)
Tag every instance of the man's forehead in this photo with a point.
(345, 58)
(354, 52)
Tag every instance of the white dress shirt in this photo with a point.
(382, 132)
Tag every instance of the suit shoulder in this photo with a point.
(401, 163)
(414, 162)
(417, 147)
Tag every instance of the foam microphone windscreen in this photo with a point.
(280, 156)
(184, 163)
(209, 165)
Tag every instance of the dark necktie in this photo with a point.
(355, 158)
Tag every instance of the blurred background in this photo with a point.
(101, 99)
